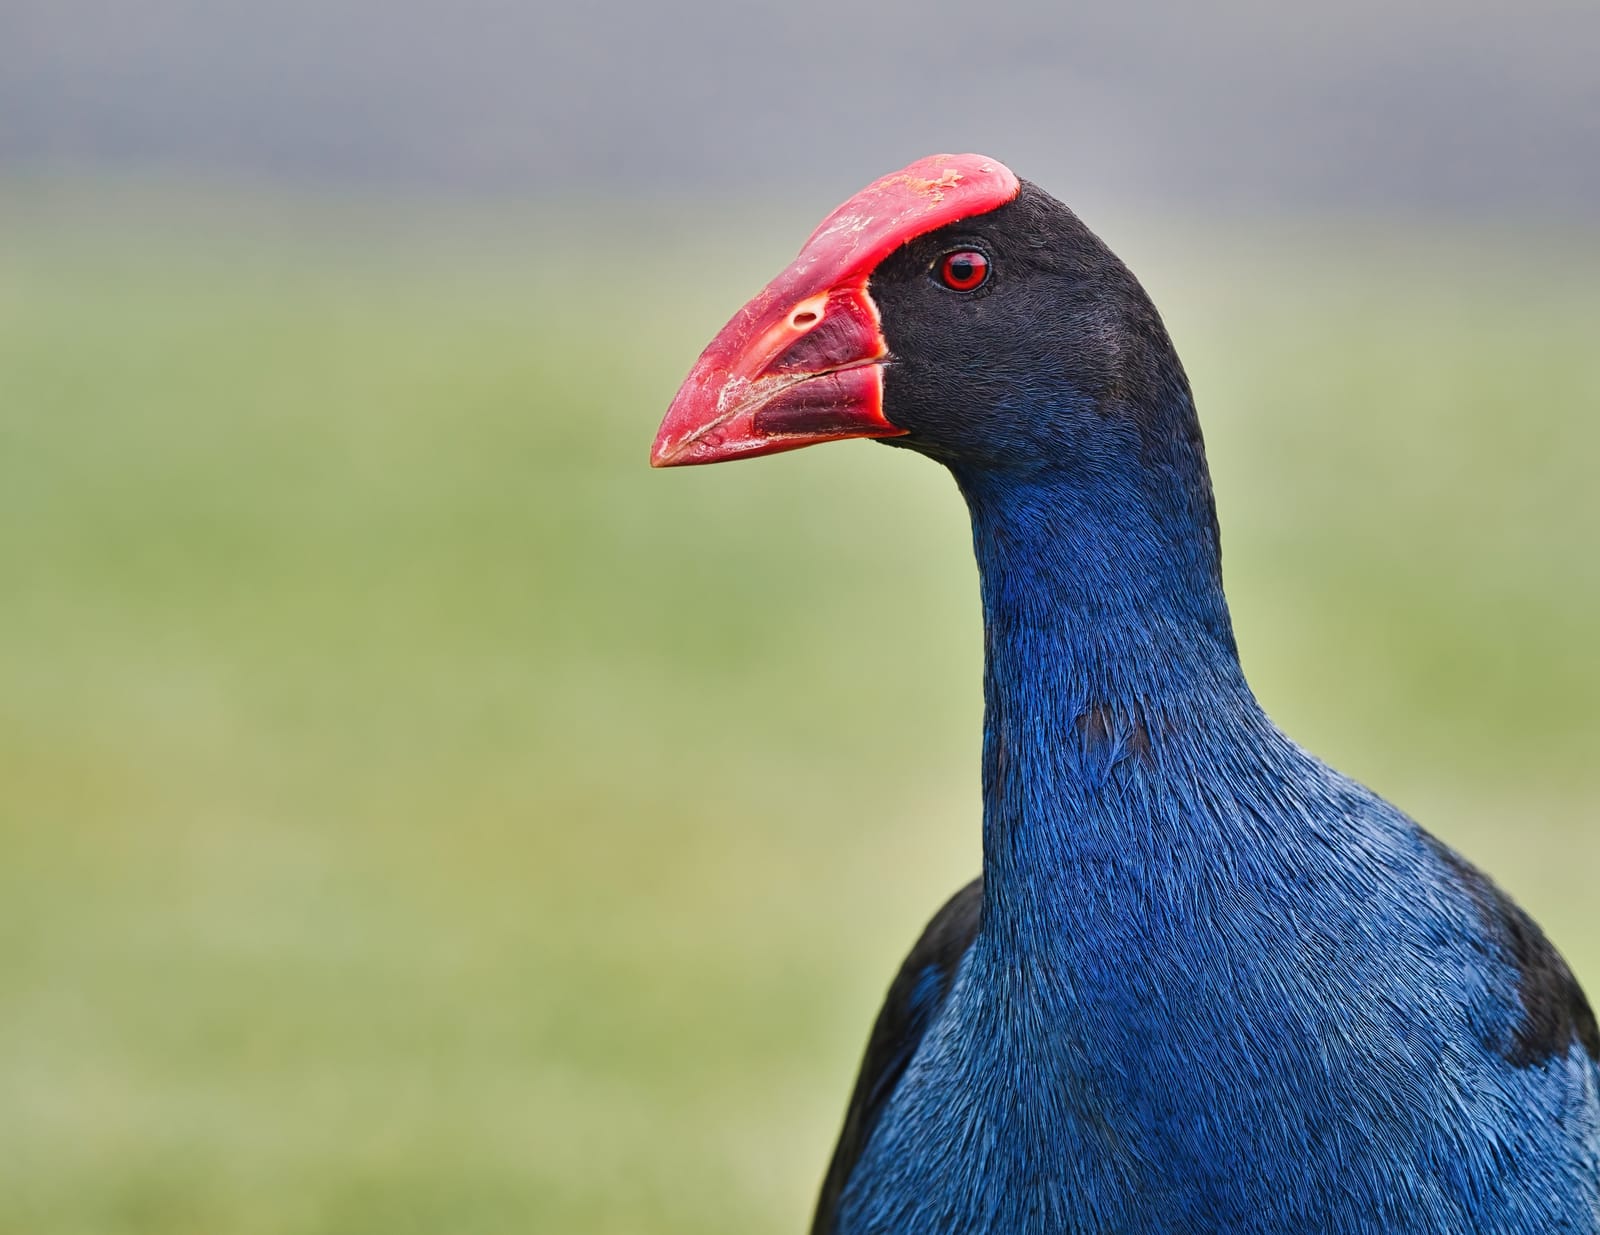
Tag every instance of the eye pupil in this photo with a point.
(964, 271)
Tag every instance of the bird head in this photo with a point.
(950, 308)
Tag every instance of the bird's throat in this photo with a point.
(1110, 671)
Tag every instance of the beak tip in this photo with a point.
(668, 453)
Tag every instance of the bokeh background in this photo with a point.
(419, 816)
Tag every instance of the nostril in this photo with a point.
(803, 319)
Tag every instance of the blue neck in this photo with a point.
(1111, 681)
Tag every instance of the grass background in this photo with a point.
(419, 816)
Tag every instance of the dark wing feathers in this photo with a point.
(1555, 1013)
(915, 997)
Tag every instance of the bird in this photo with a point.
(1205, 983)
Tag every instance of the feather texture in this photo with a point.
(1217, 986)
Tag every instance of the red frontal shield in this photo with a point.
(803, 361)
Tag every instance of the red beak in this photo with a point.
(803, 361)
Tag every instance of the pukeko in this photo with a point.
(1205, 984)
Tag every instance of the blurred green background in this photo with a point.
(418, 815)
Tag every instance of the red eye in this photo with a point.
(963, 271)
